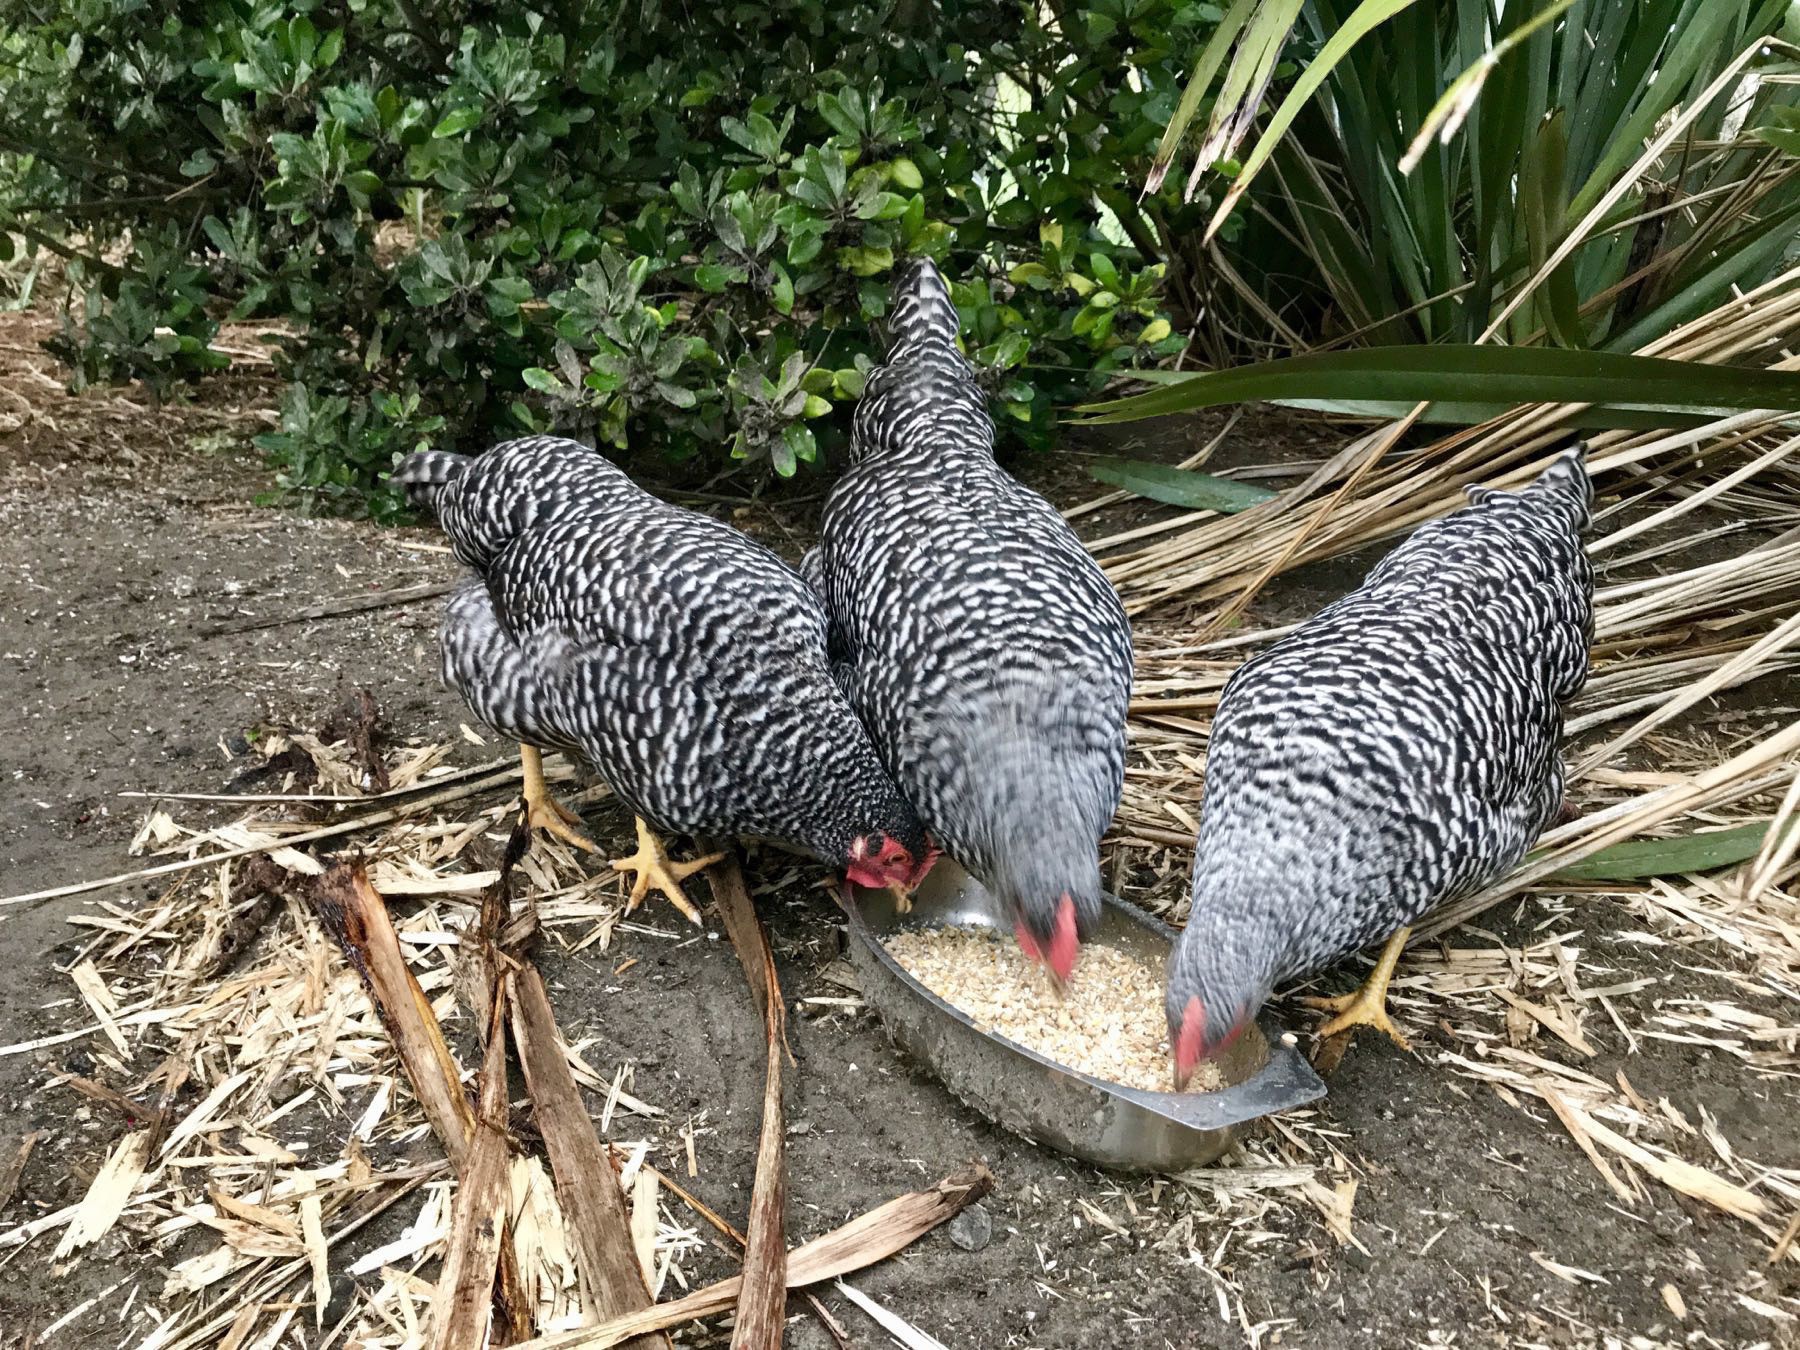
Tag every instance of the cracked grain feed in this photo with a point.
(1109, 1024)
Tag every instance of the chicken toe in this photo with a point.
(543, 811)
(654, 868)
(1367, 1006)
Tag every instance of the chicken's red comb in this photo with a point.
(1188, 1042)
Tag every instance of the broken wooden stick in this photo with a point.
(15, 1168)
(356, 916)
(333, 609)
(587, 1187)
(863, 1241)
(465, 1288)
(762, 1303)
(737, 1238)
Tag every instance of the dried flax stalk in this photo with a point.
(1672, 1172)
(863, 1241)
(108, 1193)
(762, 1304)
(587, 1187)
(419, 806)
(1572, 843)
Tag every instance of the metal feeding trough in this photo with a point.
(1045, 1102)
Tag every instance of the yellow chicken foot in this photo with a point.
(654, 869)
(543, 811)
(1367, 1007)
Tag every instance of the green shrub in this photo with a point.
(664, 226)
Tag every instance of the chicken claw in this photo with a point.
(1367, 1006)
(654, 868)
(543, 811)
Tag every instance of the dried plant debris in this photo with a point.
(1109, 1021)
(292, 1036)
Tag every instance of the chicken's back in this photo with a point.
(1401, 747)
(986, 651)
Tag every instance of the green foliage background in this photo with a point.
(665, 226)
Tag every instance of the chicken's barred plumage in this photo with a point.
(1398, 750)
(683, 660)
(985, 650)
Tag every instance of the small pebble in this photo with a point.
(972, 1229)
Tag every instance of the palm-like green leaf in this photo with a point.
(1178, 487)
(1495, 375)
(1678, 856)
(1435, 166)
(1366, 17)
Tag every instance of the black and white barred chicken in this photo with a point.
(988, 655)
(1398, 750)
(681, 659)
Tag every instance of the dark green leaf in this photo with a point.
(1676, 856)
(456, 122)
(713, 278)
(1178, 487)
(1505, 375)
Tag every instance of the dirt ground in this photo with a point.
(128, 663)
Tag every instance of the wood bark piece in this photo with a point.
(465, 1290)
(863, 1241)
(355, 914)
(587, 1187)
(762, 1302)
(357, 918)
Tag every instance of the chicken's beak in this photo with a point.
(1064, 946)
(1180, 1075)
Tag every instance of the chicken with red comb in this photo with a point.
(982, 645)
(1398, 750)
(683, 660)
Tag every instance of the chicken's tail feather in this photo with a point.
(1567, 483)
(922, 309)
(1564, 485)
(425, 474)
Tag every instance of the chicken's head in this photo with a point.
(883, 843)
(1054, 905)
(1219, 977)
(877, 860)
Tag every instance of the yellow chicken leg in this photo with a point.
(1367, 1007)
(543, 811)
(654, 869)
